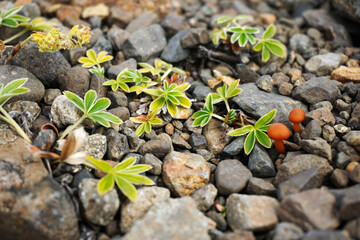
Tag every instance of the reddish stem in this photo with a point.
(297, 128)
(280, 147)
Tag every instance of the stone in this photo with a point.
(154, 162)
(342, 160)
(312, 130)
(303, 210)
(183, 113)
(97, 84)
(316, 90)
(323, 64)
(237, 234)
(160, 146)
(118, 99)
(353, 139)
(174, 52)
(346, 74)
(146, 198)
(339, 178)
(265, 83)
(64, 112)
(145, 43)
(100, 10)
(114, 70)
(178, 141)
(200, 92)
(46, 66)
(251, 212)
(301, 163)
(235, 147)
(329, 133)
(118, 17)
(322, 115)
(353, 228)
(95, 146)
(28, 194)
(102, 44)
(66, 11)
(218, 219)
(98, 209)
(24, 111)
(184, 173)
(300, 182)
(287, 231)
(258, 186)
(231, 177)
(173, 23)
(75, 80)
(117, 145)
(216, 137)
(142, 21)
(195, 37)
(260, 163)
(300, 42)
(326, 235)
(117, 37)
(51, 94)
(317, 146)
(120, 112)
(78, 177)
(197, 141)
(251, 100)
(245, 74)
(205, 197)
(172, 219)
(36, 91)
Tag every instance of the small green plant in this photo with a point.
(244, 36)
(161, 70)
(225, 93)
(120, 82)
(146, 122)
(94, 61)
(124, 175)
(11, 19)
(256, 132)
(92, 109)
(8, 91)
(172, 96)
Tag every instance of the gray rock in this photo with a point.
(172, 219)
(144, 20)
(317, 146)
(265, 83)
(197, 141)
(154, 162)
(118, 17)
(220, 221)
(347, 8)
(102, 44)
(50, 95)
(312, 130)
(117, 37)
(173, 23)
(95, 146)
(342, 146)
(245, 74)
(326, 235)
(216, 137)
(160, 146)
(133, 139)
(75, 54)
(252, 100)
(99, 209)
(251, 212)
(300, 42)
(316, 90)
(7, 134)
(114, 70)
(200, 92)
(242, 8)
(120, 112)
(259, 186)
(342, 160)
(353, 139)
(205, 197)
(195, 37)
(145, 43)
(76, 80)
(353, 228)
(46, 66)
(340, 178)
(36, 91)
(118, 99)
(174, 52)
(322, 115)
(303, 210)
(178, 141)
(146, 198)
(323, 64)
(287, 231)
(78, 177)
(231, 177)
(117, 145)
(96, 84)
(235, 147)
(260, 163)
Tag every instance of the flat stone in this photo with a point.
(323, 64)
(317, 146)
(323, 115)
(245, 74)
(235, 147)
(346, 74)
(216, 137)
(259, 186)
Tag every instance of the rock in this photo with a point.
(312, 130)
(172, 219)
(260, 163)
(346, 74)
(66, 11)
(245, 74)
(287, 231)
(316, 90)
(353, 139)
(259, 186)
(216, 137)
(184, 173)
(114, 70)
(173, 23)
(100, 10)
(231, 177)
(154, 162)
(349, 207)
(326, 235)
(323, 64)
(183, 113)
(197, 141)
(95, 146)
(118, 17)
(99, 209)
(300, 43)
(251, 100)
(245, 235)
(23, 111)
(160, 146)
(317, 146)
(235, 147)
(36, 91)
(117, 145)
(340, 178)
(145, 43)
(144, 20)
(76, 80)
(205, 197)
(50, 95)
(200, 92)
(342, 160)
(46, 66)
(78, 177)
(353, 227)
(312, 209)
(347, 8)
(302, 181)
(102, 44)
(178, 141)
(28, 194)
(265, 83)
(218, 219)
(174, 52)
(64, 112)
(303, 162)
(195, 37)
(96, 84)
(118, 99)
(120, 112)
(117, 37)
(355, 175)
(252, 213)
(146, 198)
(324, 21)
(322, 115)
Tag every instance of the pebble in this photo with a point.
(322, 115)
(353, 228)
(329, 133)
(353, 139)
(265, 83)
(342, 160)
(118, 17)
(154, 162)
(279, 78)
(79, 176)
(117, 37)
(98, 209)
(75, 80)
(300, 42)
(197, 141)
(184, 173)
(178, 141)
(260, 163)
(120, 112)
(312, 130)
(317, 146)
(100, 10)
(118, 99)
(117, 145)
(245, 74)
(340, 178)
(115, 70)
(95, 146)
(231, 177)
(200, 92)
(195, 37)
(142, 21)
(205, 197)
(287, 231)
(323, 64)
(326, 235)
(216, 137)
(160, 146)
(251, 212)
(259, 186)
(96, 84)
(285, 89)
(173, 23)
(235, 147)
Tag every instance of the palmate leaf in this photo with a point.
(217, 35)
(92, 59)
(146, 122)
(225, 92)
(204, 116)
(265, 119)
(13, 88)
(243, 35)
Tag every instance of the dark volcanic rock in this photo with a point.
(76, 80)
(174, 52)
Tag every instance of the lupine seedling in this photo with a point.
(224, 93)
(124, 175)
(8, 91)
(146, 122)
(244, 36)
(120, 82)
(161, 70)
(94, 61)
(92, 109)
(256, 132)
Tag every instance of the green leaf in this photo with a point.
(153, 92)
(234, 37)
(126, 187)
(75, 99)
(100, 105)
(140, 130)
(209, 103)
(12, 11)
(270, 32)
(106, 184)
(181, 88)
(147, 127)
(9, 23)
(249, 142)
(241, 131)
(263, 138)
(198, 121)
(184, 101)
(100, 120)
(98, 164)
(124, 86)
(136, 179)
(173, 99)
(157, 103)
(263, 128)
(89, 99)
(265, 54)
(223, 19)
(205, 121)
(108, 116)
(124, 164)
(91, 55)
(251, 30)
(155, 121)
(139, 168)
(276, 48)
(242, 40)
(265, 119)
(13, 85)
(171, 108)
(258, 46)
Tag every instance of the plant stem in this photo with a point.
(218, 117)
(72, 127)
(166, 73)
(227, 105)
(16, 49)
(15, 36)
(12, 122)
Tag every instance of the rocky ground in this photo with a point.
(206, 187)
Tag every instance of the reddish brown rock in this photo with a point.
(346, 74)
